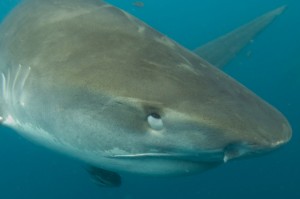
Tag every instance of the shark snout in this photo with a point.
(276, 134)
(260, 144)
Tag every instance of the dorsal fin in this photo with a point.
(223, 49)
(104, 178)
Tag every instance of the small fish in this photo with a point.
(139, 4)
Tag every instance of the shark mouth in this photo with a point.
(216, 156)
(231, 151)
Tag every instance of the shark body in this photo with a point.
(92, 81)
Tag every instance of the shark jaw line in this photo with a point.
(210, 156)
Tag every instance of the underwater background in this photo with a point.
(270, 66)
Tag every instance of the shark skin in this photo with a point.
(90, 80)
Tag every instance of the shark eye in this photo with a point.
(155, 121)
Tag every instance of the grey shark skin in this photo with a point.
(90, 80)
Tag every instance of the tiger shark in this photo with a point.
(92, 81)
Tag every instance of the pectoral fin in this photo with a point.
(223, 49)
(104, 178)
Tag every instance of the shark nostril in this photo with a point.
(236, 150)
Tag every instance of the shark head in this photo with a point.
(93, 81)
(185, 124)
